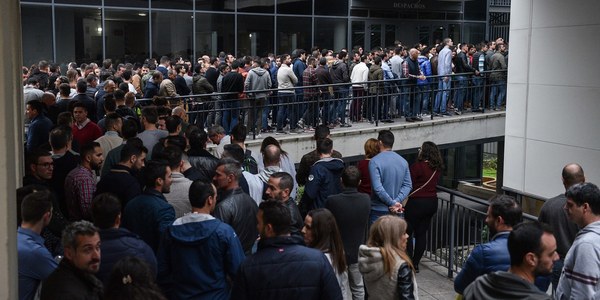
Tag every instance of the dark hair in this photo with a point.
(35, 205)
(88, 149)
(524, 238)
(129, 129)
(36, 105)
(81, 86)
(198, 139)
(176, 141)
(271, 141)
(586, 192)
(285, 180)
(377, 60)
(327, 238)
(70, 233)
(238, 133)
(430, 153)
(132, 279)
(134, 146)
(276, 214)
(110, 120)
(33, 157)
(105, 209)
(172, 155)
(126, 74)
(78, 104)
(324, 146)
(110, 104)
(150, 113)
(154, 170)
(64, 89)
(172, 122)
(119, 95)
(64, 118)
(506, 207)
(387, 138)
(351, 176)
(234, 151)
(60, 136)
(199, 193)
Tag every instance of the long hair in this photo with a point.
(430, 153)
(371, 148)
(385, 234)
(327, 238)
(271, 141)
(131, 279)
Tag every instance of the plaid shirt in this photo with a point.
(309, 77)
(80, 186)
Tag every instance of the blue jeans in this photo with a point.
(460, 92)
(341, 95)
(231, 114)
(477, 92)
(375, 214)
(498, 93)
(282, 113)
(423, 96)
(441, 98)
(414, 107)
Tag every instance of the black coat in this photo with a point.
(239, 210)
(70, 283)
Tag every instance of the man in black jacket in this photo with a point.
(283, 268)
(233, 83)
(235, 207)
(279, 187)
(351, 211)
(74, 278)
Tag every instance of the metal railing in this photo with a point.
(457, 227)
(345, 103)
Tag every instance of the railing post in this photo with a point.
(452, 237)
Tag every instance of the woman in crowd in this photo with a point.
(131, 279)
(321, 232)
(422, 202)
(386, 268)
(371, 149)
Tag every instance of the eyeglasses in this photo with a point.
(46, 165)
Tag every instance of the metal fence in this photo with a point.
(457, 228)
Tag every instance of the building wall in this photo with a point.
(553, 87)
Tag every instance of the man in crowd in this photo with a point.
(390, 178)
(502, 214)
(39, 126)
(149, 214)
(65, 160)
(116, 242)
(324, 178)
(199, 253)
(111, 138)
(444, 69)
(80, 183)
(84, 130)
(321, 132)
(580, 278)
(283, 268)
(74, 278)
(235, 207)
(219, 137)
(151, 134)
(35, 261)
(532, 249)
(180, 185)
(554, 214)
(258, 79)
(279, 186)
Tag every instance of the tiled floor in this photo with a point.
(434, 283)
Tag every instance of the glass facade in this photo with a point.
(130, 31)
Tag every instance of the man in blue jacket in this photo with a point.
(325, 177)
(198, 253)
(149, 214)
(283, 268)
(116, 242)
(502, 214)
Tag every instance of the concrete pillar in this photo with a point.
(11, 145)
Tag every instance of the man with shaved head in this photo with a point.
(553, 214)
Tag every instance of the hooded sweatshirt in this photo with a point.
(197, 255)
(503, 285)
(323, 180)
(257, 79)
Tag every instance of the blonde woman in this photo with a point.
(387, 270)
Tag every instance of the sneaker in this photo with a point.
(280, 132)
(410, 119)
(458, 112)
(417, 119)
(345, 125)
(296, 131)
(301, 123)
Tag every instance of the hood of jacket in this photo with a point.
(370, 263)
(334, 165)
(336, 64)
(259, 71)
(193, 229)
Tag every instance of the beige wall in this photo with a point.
(553, 94)
(11, 148)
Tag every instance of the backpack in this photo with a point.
(250, 164)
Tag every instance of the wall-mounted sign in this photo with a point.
(413, 5)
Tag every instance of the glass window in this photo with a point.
(331, 7)
(474, 32)
(78, 34)
(128, 3)
(331, 33)
(37, 34)
(214, 33)
(375, 36)
(172, 34)
(126, 35)
(262, 6)
(295, 7)
(84, 2)
(475, 10)
(215, 5)
(358, 34)
(173, 4)
(390, 34)
(255, 35)
(293, 33)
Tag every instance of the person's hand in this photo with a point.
(446, 79)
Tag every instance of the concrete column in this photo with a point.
(11, 145)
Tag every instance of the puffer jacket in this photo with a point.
(197, 255)
(283, 268)
(239, 210)
(402, 283)
(425, 65)
(323, 180)
(257, 79)
(375, 74)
